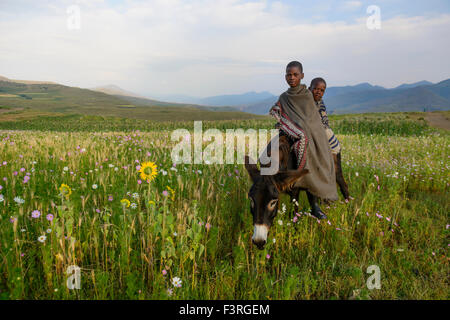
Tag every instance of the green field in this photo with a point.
(193, 221)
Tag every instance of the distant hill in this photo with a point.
(230, 100)
(26, 81)
(365, 97)
(115, 91)
(19, 97)
(430, 97)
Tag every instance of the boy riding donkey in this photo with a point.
(298, 119)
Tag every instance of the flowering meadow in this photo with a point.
(107, 198)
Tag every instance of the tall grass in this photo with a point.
(201, 232)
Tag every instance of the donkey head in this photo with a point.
(264, 195)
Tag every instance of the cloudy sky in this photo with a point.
(211, 47)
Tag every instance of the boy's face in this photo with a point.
(318, 91)
(294, 76)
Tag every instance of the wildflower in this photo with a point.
(268, 256)
(97, 210)
(13, 219)
(135, 195)
(94, 186)
(151, 203)
(36, 214)
(49, 217)
(66, 168)
(165, 193)
(294, 220)
(207, 226)
(280, 222)
(169, 291)
(133, 205)
(125, 202)
(139, 181)
(49, 230)
(274, 240)
(42, 238)
(175, 234)
(176, 282)
(110, 198)
(2, 198)
(148, 171)
(164, 272)
(356, 174)
(19, 200)
(172, 193)
(65, 190)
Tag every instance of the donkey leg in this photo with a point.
(340, 177)
(315, 209)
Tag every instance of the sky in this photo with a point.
(213, 47)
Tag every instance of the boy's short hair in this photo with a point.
(315, 81)
(295, 64)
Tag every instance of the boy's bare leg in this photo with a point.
(339, 176)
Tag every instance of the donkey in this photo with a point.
(266, 189)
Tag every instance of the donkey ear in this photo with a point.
(284, 180)
(251, 168)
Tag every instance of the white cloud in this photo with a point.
(215, 47)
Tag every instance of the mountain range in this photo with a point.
(360, 98)
(364, 97)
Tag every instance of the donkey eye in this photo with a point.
(272, 204)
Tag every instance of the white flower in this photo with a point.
(356, 174)
(49, 230)
(42, 238)
(110, 165)
(116, 169)
(19, 200)
(175, 234)
(176, 282)
(90, 171)
(133, 205)
(2, 198)
(274, 240)
(66, 169)
(169, 291)
(94, 186)
(280, 222)
(135, 195)
(164, 173)
(23, 230)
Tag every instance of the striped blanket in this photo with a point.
(289, 128)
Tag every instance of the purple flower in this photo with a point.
(268, 256)
(110, 198)
(207, 226)
(49, 217)
(164, 272)
(165, 193)
(35, 214)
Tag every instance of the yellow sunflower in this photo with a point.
(65, 190)
(148, 171)
(125, 202)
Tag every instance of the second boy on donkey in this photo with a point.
(297, 117)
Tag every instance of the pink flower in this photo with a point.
(138, 168)
(207, 226)
(268, 256)
(165, 193)
(110, 198)
(164, 272)
(36, 214)
(49, 217)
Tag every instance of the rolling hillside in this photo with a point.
(46, 98)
